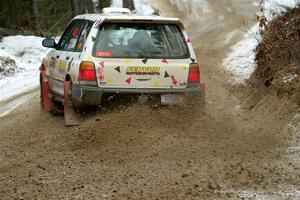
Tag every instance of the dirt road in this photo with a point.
(237, 146)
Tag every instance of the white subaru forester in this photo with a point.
(116, 52)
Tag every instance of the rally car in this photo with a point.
(118, 52)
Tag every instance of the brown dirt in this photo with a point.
(227, 149)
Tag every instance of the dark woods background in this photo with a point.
(45, 17)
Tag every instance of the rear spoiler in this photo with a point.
(175, 21)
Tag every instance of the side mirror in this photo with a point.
(49, 43)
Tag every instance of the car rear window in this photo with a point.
(140, 40)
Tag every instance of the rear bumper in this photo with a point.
(93, 89)
(150, 91)
(92, 95)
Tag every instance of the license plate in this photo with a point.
(171, 99)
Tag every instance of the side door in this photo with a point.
(61, 56)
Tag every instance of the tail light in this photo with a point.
(87, 71)
(194, 75)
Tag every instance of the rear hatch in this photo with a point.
(141, 55)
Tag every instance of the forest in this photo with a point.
(45, 17)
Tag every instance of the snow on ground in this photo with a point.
(196, 9)
(140, 6)
(27, 52)
(241, 60)
(273, 7)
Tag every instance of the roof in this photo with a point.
(119, 16)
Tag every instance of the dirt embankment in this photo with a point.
(278, 56)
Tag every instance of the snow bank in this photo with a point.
(241, 60)
(274, 7)
(27, 52)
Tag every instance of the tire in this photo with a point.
(41, 90)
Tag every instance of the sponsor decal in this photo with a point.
(109, 81)
(189, 40)
(145, 61)
(165, 61)
(183, 68)
(62, 64)
(174, 80)
(150, 71)
(100, 74)
(118, 69)
(89, 58)
(101, 64)
(104, 54)
(127, 61)
(128, 81)
(98, 22)
(166, 74)
(75, 32)
(156, 84)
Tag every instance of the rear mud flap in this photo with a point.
(203, 88)
(71, 117)
(196, 98)
(47, 103)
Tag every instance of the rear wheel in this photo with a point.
(41, 90)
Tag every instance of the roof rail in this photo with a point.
(116, 10)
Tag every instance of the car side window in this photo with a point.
(87, 25)
(70, 37)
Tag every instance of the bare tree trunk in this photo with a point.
(104, 4)
(34, 14)
(75, 7)
(89, 6)
(95, 6)
(128, 4)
